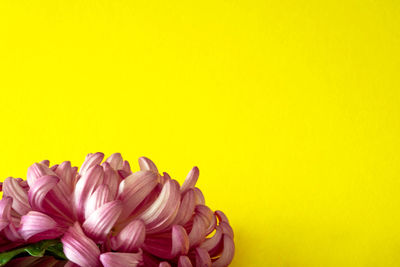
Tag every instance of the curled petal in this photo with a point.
(164, 264)
(202, 257)
(39, 224)
(203, 221)
(86, 185)
(67, 174)
(211, 244)
(97, 199)
(186, 208)
(130, 238)
(5, 209)
(38, 191)
(115, 161)
(112, 259)
(180, 241)
(191, 179)
(164, 209)
(147, 165)
(79, 248)
(90, 161)
(12, 188)
(227, 254)
(199, 197)
(227, 229)
(112, 179)
(126, 167)
(184, 261)
(36, 171)
(100, 222)
(135, 188)
(221, 216)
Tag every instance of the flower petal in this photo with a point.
(164, 264)
(135, 188)
(67, 174)
(227, 254)
(37, 223)
(100, 222)
(201, 225)
(90, 161)
(5, 209)
(186, 208)
(180, 241)
(130, 238)
(202, 257)
(79, 248)
(112, 179)
(184, 261)
(97, 199)
(85, 186)
(164, 209)
(147, 165)
(115, 161)
(12, 188)
(199, 197)
(112, 259)
(191, 179)
(38, 191)
(36, 171)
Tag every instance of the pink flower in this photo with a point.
(107, 215)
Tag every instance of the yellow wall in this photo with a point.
(291, 110)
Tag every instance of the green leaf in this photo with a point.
(45, 247)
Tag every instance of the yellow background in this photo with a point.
(290, 109)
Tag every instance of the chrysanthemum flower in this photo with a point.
(107, 215)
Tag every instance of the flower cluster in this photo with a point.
(107, 215)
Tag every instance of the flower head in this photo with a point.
(107, 215)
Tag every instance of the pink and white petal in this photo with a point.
(191, 179)
(221, 216)
(164, 209)
(126, 167)
(212, 243)
(200, 200)
(100, 222)
(164, 264)
(202, 257)
(227, 254)
(79, 248)
(227, 229)
(112, 179)
(65, 173)
(39, 190)
(180, 241)
(130, 238)
(147, 165)
(184, 261)
(115, 161)
(186, 208)
(97, 199)
(90, 161)
(203, 220)
(135, 188)
(12, 234)
(45, 162)
(85, 186)
(36, 171)
(12, 188)
(39, 225)
(5, 209)
(112, 259)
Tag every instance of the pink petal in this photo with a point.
(37, 223)
(38, 191)
(147, 165)
(221, 216)
(79, 248)
(112, 179)
(186, 208)
(164, 209)
(90, 161)
(135, 188)
(202, 257)
(97, 199)
(66, 173)
(86, 185)
(100, 222)
(199, 197)
(164, 264)
(126, 167)
(212, 243)
(130, 238)
(180, 241)
(12, 188)
(227, 254)
(201, 225)
(184, 261)
(36, 171)
(227, 229)
(115, 161)
(5, 209)
(113, 259)
(191, 179)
